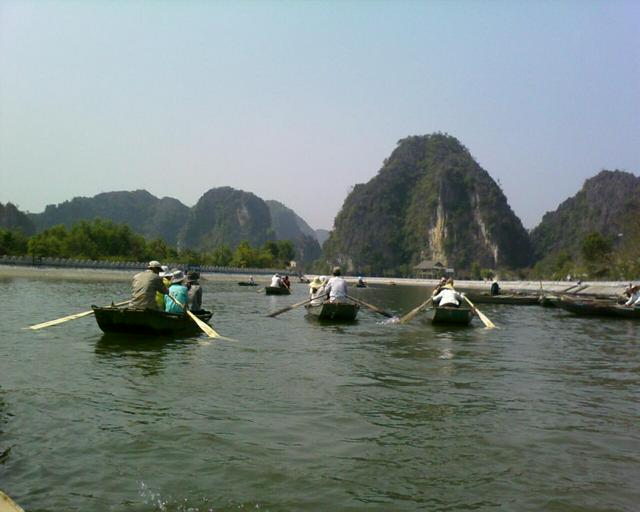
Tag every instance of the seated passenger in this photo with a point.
(317, 290)
(179, 292)
(337, 287)
(276, 281)
(448, 296)
(195, 291)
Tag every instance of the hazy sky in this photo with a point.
(298, 101)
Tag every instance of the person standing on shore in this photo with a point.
(145, 285)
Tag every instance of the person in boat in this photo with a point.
(495, 287)
(448, 296)
(145, 285)
(165, 274)
(285, 282)
(337, 287)
(439, 286)
(251, 280)
(194, 291)
(276, 281)
(361, 282)
(179, 292)
(634, 297)
(317, 290)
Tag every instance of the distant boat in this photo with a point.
(450, 315)
(333, 311)
(277, 290)
(247, 283)
(147, 321)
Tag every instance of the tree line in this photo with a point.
(103, 240)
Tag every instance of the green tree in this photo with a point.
(13, 242)
(221, 256)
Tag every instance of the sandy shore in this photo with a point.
(85, 274)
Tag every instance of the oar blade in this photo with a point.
(288, 308)
(60, 320)
(483, 318)
(412, 314)
(206, 328)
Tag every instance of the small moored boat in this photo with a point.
(512, 299)
(596, 307)
(450, 315)
(333, 311)
(147, 321)
(277, 290)
(247, 283)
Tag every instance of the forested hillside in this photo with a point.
(140, 210)
(430, 200)
(289, 226)
(596, 232)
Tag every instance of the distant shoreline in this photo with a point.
(100, 274)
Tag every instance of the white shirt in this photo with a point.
(634, 300)
(447, 296)
(276, 282)
(337, 288)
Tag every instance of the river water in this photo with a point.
(542, 413)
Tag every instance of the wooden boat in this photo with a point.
(277, 290)
(549, 301)
(450, 315)
(333, 311)
(597, 307)
(515, 299)
(247, 283)
(147, 321)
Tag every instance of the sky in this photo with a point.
(298, 101)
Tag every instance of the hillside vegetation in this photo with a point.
(430, 200)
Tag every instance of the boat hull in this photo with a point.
(277, 290)
(591, 307)
(333, 311)
(147, 321)
(450, 315)
(515, 300)
(247, 283)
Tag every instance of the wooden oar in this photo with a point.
(70, 317)
(288, 308)
(414, 311)
(206, 328)
(485, 319)
(370, 306)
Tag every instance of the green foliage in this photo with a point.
(595, 248)
(221, 256)
(475, 271)
(97, 240)
(12, 242)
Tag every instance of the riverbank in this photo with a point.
(608, 288)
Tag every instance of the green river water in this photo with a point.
(542, 414)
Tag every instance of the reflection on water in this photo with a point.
(301, 415)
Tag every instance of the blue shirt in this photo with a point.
(181, 294)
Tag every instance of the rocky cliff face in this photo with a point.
(289, 226)
(607, 204)
(227, 216)
(430, 200)
(11, 218)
